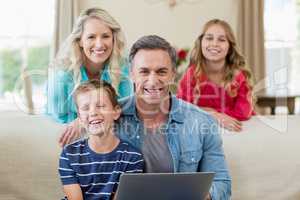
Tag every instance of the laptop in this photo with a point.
(165, 186)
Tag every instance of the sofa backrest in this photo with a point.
(29, 157)
(263, 159)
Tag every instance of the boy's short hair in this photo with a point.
(96, 85)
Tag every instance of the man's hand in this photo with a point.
(208, 197)
(71, 133)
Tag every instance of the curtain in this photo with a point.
(66, 12)
(251, 38)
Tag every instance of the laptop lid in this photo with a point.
(165, 186)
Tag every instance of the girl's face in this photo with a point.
(215, 44)
(96, 112)
(97, 42)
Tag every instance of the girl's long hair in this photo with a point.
(235, 61)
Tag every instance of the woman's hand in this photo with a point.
(72, 132)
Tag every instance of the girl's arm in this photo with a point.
(243, 108)
(225, 120)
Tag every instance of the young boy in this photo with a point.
(90, 168)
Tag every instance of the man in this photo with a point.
(174, 136)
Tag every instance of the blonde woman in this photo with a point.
(94, 50)
(218, 79)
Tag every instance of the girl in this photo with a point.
(218, 79)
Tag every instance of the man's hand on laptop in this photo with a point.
(208, 197)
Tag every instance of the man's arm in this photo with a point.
(213, 160)
(73, 192)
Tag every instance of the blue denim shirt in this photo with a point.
(60, 104)
(193, 139)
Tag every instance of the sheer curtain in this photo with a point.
(66, 12)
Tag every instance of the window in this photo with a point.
(25, 38)
(282, 34)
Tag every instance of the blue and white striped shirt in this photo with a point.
(97, 174)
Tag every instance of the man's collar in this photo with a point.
(176, 112)
(129, 108)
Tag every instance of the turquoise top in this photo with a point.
(60, 104)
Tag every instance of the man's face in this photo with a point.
(152, 73)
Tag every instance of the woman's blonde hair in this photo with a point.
(235, 61)
(70, 55)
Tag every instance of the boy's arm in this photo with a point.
(114, 196)
(73, 192)
(68, 178)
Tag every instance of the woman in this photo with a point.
(218, 79)
(94, 50)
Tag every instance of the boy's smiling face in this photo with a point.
(96, 112)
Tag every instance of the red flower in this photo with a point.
(182, 54)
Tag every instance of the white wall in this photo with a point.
(179, 25)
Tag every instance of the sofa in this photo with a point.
(263, 159)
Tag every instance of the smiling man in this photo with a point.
(174, 136)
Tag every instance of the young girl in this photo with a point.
(90, 168)
(218, 79)
(94, 50)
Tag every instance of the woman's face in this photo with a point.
(215, 44)
(97, 42)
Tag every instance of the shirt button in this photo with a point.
(138, 137)
(193, 159)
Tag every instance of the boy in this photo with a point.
(90, 168)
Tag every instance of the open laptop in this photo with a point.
(165, 186)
